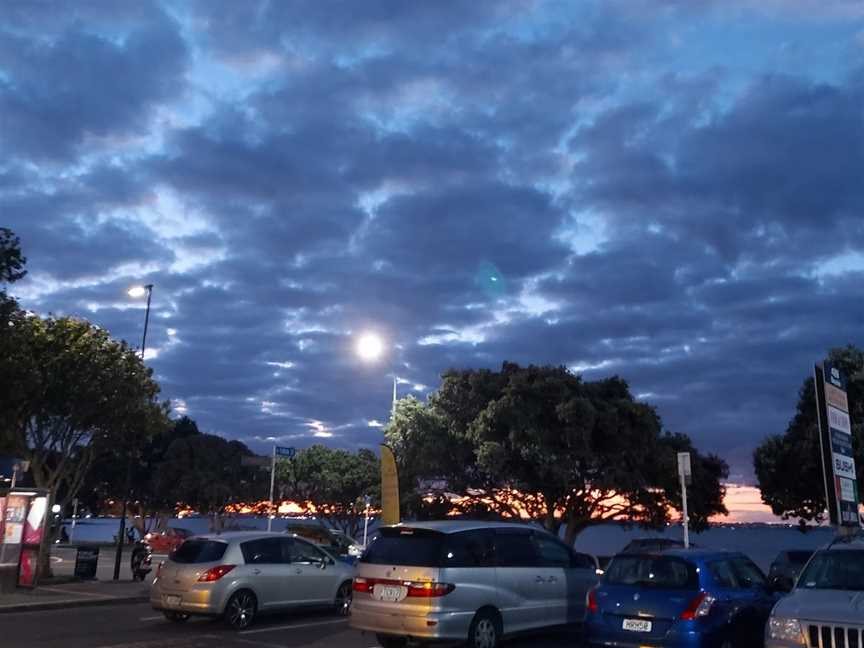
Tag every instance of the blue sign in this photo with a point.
(286, 452)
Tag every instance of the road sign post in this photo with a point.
(278, 451)
(686, 474)
(835, 443)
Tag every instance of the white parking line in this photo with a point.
(293, 625)
(152, 618)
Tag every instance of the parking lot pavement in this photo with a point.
(138, 626)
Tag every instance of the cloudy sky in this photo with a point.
(665, 190)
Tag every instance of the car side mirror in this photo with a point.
(782, 584)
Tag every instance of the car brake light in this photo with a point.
(699, 607)
(362, 585)
(215, 573)
(429, 590)
(593, 608)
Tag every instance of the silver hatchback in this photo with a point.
(242, 574)
(467, 580)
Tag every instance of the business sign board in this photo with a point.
(835, 440)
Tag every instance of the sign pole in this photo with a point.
(366, 523)
(74, 517)
(272, 485)
(686, 517)
(685, 472)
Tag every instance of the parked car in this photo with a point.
(241, 574)
(459, 580)
(680, 597)
(314, 531)
(787, 565)
(826, 608)
(166, 540)
(643, 545)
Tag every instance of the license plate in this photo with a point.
(391, 593)
(637, 625)
(172, 600)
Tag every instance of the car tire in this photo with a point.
(344, 596)
(387, 641)
(240, 610)
(485, 630)
(176, 617)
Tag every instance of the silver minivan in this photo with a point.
(241, 574)
(467, 580)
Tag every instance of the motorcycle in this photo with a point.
(142, 561)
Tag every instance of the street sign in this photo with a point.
(286, 452)
(835, 441)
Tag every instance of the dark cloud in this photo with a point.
(477, 182)
(56, 92)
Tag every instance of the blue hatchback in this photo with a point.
(693, 598)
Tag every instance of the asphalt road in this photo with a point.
(138, 626)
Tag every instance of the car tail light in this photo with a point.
(414, 589)
(699, 607)
(215, 573)
(362, 585)
(429, 590)
(593, 608)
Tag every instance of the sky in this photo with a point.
(665, 190)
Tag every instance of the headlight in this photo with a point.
(781, 629)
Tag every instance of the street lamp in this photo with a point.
(136, 292)
(370, 347)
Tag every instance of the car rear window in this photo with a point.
(658, 572)
(799, 557)
(404, 546)
(199, 551)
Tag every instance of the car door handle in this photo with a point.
(298, 571)
(256, 571)
(540, 579)
(552, 579)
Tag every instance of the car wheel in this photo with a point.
(176, 617)
(387, 641)
(343, 599)
(485, 631)
(240, 610)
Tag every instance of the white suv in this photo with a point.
(826, 608)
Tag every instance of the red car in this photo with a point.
(166, 540)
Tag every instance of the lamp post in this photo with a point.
(136, 292)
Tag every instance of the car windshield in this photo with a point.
(835, 570)
(652, 571)
(199, 551)
(411, 547)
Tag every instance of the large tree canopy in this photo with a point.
(206, 472)
(12, 261)
(70, 391)
(541, 441)
(797, 452)
(334, 481)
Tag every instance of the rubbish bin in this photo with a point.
(86, 562)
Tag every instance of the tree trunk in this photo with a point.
(44, 555)
(575, 526)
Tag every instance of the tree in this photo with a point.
(206, 473)
(335, 482)
(72, 391)
(797, 452)
(540, 441)
(12, 261)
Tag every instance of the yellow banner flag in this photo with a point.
(389, 487)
